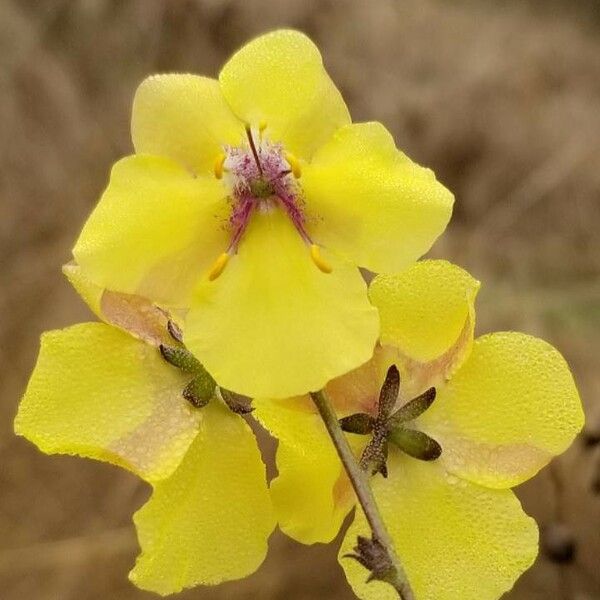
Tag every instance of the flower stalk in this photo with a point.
(359, 479)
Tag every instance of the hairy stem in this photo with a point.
(360, 483)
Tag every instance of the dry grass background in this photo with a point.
(502, 99)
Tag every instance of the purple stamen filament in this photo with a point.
(240, 219)
(260, 185)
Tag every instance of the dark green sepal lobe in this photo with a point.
(201, 388)
(415, 443)
(240, 405)
(373, 556)
(388, 394)
(375, 454)
(413, 409)
(359, 423)
(182, 359)
(199, 391)
(175, 331)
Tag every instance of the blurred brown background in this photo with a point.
(501, 98)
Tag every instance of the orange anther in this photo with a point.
(294, 164)
(219, 166)
(218, 266)
(315, 254)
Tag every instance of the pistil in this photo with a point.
(253, 148)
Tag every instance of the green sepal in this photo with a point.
(389, 393)
(182, 359)
(415, 443)
(359, 423)
(199, 391)
(413, 409)
(237, 403)
(374, 456)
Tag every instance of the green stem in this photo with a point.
(360, 483)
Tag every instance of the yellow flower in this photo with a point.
(506, 404)
(98, 392)
(249, 203)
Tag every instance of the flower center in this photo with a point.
(261, 176)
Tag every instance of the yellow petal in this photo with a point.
(100, 393)
(427, 314)
(279, 79)
(423, 309)
(455, 539)
(154, 231)
(371, 202)
(134, 314)
(311, 495)
(289, 326)
(510, 408)
(90, 293)
(184, 117)
(210, 521)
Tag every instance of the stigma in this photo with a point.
(261, 175)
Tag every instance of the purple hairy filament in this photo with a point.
(261, 177)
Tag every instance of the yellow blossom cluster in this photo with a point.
(226, 257)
